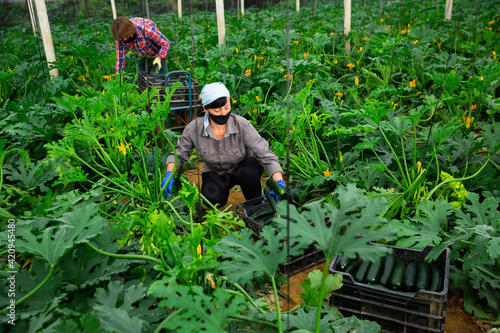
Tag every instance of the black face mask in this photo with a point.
(131, 39)
(219, 120)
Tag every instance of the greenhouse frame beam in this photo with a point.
(13, 1)
(43, 22)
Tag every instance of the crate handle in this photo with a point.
(189, 91)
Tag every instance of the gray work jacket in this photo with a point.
(240, 140)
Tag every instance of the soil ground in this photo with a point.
(457, 320)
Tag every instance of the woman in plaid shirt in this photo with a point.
(144, 37)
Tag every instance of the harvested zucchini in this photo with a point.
(423, 276)
(352, 267)
(436, 279)
(361, 272)
(343, 262)
(410, 276)
(262, 213)
(374, 272)
(387, 269)
(398, 275)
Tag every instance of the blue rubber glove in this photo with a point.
(168, 189)
(276, 195)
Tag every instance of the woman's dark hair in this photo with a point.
(122, 27)
(219, 102)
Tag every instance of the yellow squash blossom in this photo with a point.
(468, 121)
(327, 173)
(350, 65)
(412, 84)
(356, 81)
(248, 72)
(211, 280)
(123, 149)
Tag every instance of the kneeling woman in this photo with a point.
(233, 151)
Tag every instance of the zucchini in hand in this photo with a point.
(275, 187)
(273, 202)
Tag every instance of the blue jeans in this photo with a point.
(145, 64)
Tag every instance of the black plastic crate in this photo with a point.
(396, 311)
(179, 103)
(311, 256)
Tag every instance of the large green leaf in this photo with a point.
(33, 306)
(356, 222)
(304, 319)
(313, 285)
(83, 267)
(52, 243)
(251, 260)
(427, 227)
(117, 320)
(203, 313)
(115, 306)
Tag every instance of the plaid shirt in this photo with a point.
(149, 41)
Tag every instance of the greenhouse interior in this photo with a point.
(250, 166)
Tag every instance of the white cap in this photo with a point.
(213, 91)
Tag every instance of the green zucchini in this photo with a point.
(361, 272)
(373, 274)
(262, 213)
(352, 267)
(343, 262)
(398, 275)
(265, 220)
(410, 276)
(436, 279)
(273, 202)
(423, 276)
(385, 277)
(275, 187)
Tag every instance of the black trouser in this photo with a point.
(215, 187)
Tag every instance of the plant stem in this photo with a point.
(482, 270)
(320, 297)
(176, 312)
(429, 195)
(256, 321)
(244, 293)
(32, 292)
(127, 256)
(278, 313)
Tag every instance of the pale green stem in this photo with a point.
(255, 321)
(404, 159)
(32, 292)
(127, 256)
(170, 316)
(429, 195)
(278, 312)
(321, 292)
(396, 157)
